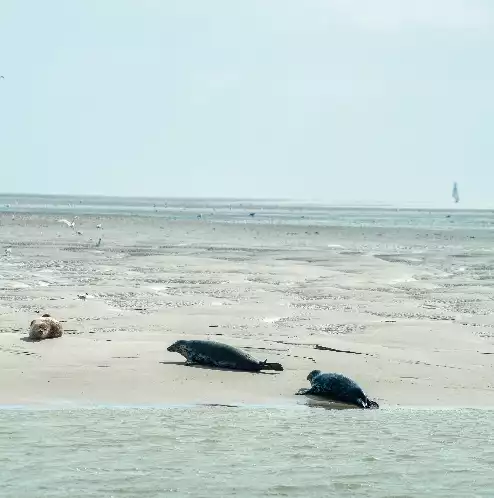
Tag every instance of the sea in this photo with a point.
(246, 451)
(252, 211)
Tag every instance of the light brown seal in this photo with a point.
(45, 327)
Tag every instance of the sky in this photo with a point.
(326, 100)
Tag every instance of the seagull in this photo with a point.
(2, 77)
(99, 226)
(252, 214)
(83, 296)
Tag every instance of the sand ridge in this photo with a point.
(405, 312)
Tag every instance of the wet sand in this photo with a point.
(406, 312)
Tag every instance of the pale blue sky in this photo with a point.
(336, 100)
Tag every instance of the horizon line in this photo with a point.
(367, 204)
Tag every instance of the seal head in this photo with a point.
(313, 374)
(177, 347)
(45, 327)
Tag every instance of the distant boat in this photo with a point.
(456, 196)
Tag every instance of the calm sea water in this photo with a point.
(246, 452)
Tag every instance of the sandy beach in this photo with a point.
(405, 311)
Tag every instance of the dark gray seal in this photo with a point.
(219, 355)
(337, 387)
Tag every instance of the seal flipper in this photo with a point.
(305, 390)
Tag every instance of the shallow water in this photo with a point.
(245, 452)
(238, 210)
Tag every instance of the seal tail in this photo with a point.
(278, 367)
(372, 404)
(367, 403)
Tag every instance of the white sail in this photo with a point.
(456, 196)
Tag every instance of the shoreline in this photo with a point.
(288, 407)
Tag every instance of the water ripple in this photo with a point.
(245, 452)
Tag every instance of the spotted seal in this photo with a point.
(217, 354)
(337, 387)
(45, 327)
